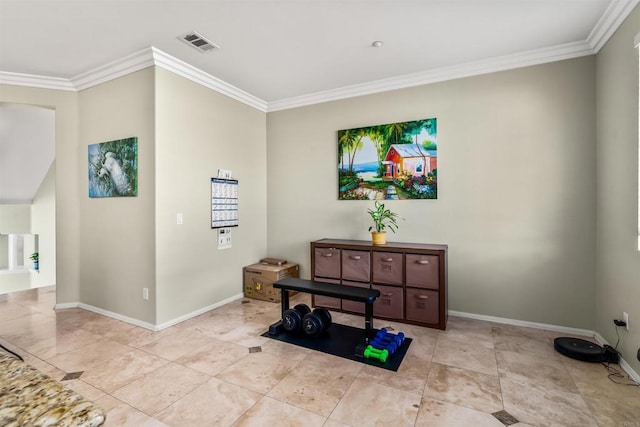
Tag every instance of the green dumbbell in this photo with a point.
(374, 353)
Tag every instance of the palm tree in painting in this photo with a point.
(346, 142)
(356, 145)
(396, 130)
(376, 135)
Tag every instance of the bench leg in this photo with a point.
(368, 321)
(284, 301)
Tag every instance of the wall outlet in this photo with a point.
(145, 294)
(179, 219)
(625, 318)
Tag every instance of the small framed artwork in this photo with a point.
(387, 162)
(113, 168)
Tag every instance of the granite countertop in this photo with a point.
(29, 397)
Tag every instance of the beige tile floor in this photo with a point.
(202, 372)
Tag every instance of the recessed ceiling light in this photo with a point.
(377, 43)
(198, 41)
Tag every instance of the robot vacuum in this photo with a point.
(576, 348)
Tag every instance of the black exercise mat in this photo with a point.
(342, 340)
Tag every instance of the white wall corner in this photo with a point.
(112, 70)
(183, 69)
(609, 22)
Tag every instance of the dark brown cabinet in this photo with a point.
(411, 278)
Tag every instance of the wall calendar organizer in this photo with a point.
(224, 202)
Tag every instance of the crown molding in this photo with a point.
(609, 22)
(492, 65)
(33, 80)
(181, 68)
(129, 64)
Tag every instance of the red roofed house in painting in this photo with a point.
(408, 159)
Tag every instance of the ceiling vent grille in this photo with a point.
(198, 41)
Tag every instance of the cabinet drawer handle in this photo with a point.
(327, 254)
(422, 296)
(387, 294)
(422, 262)
(356, 257)
(387, 259)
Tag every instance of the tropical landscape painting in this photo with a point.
(392, 161)
(113, 168)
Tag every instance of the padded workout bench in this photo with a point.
(352, 293)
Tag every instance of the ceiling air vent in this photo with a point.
(198, 41)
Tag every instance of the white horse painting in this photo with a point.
(113, 168)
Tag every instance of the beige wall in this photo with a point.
(15, 219)
(199, 131)
(117, 256)
(618, 278)
(43, 223)
(68, 174)
(516, 186)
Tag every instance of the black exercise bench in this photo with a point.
(352, 293)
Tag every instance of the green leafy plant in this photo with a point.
(382, 218)
(34, 257)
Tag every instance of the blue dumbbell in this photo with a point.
(390, 347)
(390, 342)
(381, 333)
(399, 338)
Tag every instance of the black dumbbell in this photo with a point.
(292, 318)
(314, 324)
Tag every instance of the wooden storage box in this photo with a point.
(258, 280)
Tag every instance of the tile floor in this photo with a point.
(202, 372)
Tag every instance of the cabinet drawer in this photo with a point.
(322, 301)
(356, 307)
(422, 271)
(422, 305)
(356, 265)
(327, 262)
(387, 268)
(390, 303)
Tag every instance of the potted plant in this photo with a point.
(382, 218)
(36, 260)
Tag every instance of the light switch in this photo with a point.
(179, 219)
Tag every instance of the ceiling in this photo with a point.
(278, 50)
(281, 53)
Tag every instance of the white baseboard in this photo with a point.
(564, 329)
(545, 326)
(198, 312)
(623, 363)
(66, 305)
(117, 316)
(147, 325)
